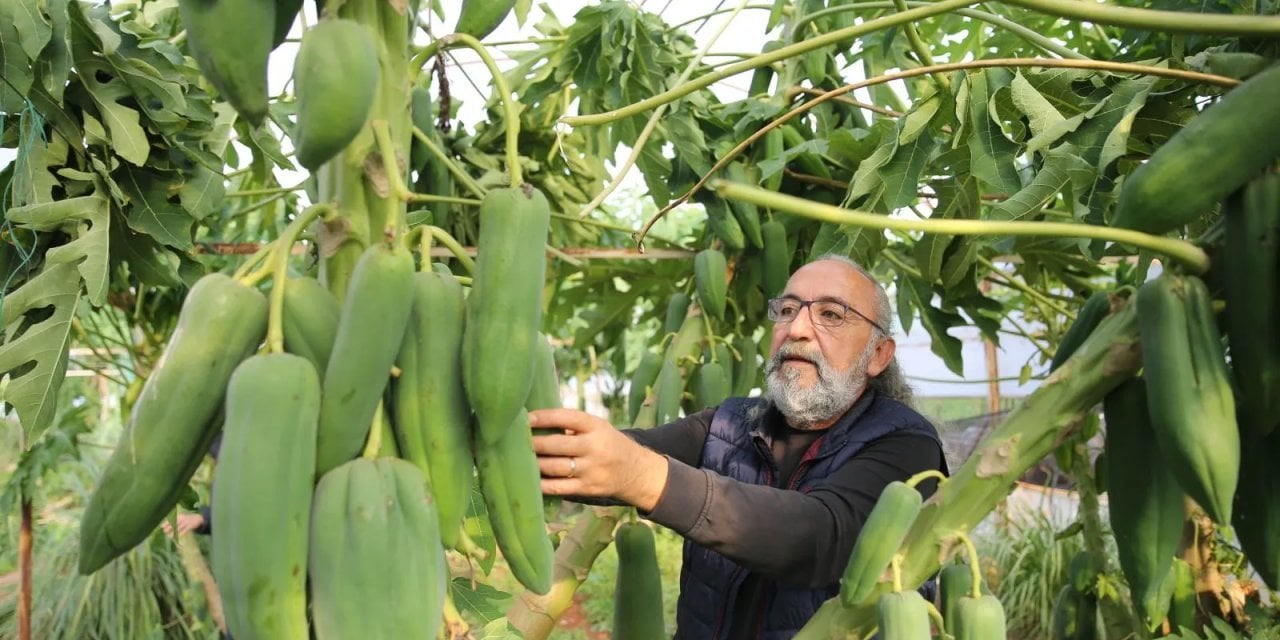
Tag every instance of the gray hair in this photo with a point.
(891, 382)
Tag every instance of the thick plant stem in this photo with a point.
(535, 616)
(1189, 255)
(1108, 357)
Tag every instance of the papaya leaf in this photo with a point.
(479, 599)
(1047, 124)
(150, 209)
(929, 251)
(992, 154)
(36, 321)
(85, 219)
(937, 322)
(1061, 167)
(128, 139)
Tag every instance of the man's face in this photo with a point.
(816, 372)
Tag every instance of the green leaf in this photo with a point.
(1061, 166)
(85, 220)
(148, 260)
(992, 154)
(929, 251)
(936, 322)
(15, 67)
(55, 60)
(34, 176)
(36, 325)
(32, 28)
(1047, 124)
(478, 599)
(128, 139)
(917, 120)
(151, 210)
(202, 193)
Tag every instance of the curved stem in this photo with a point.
(896, 565)
(1014, 283)
(1157, 20)
(974, 564)
(936, 616)
(391, 170)
(428, 197)
(612, 227)
(925, 475)
(454, 170)
(373, 444)
(275, 317)
(563, 256)
(453, 246)
(509, 113)
(1030, 35)
(638, 147)
(921, 49)
(252, 262)
(264, 192)
(766, 7)
(1191, 256)
(257, 205)
(682, 90)
(1099, 65)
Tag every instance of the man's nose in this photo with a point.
(801, 327)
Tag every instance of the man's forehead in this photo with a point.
(825, 279)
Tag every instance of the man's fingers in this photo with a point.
(570, 419)
(560, 467)
(559, 445)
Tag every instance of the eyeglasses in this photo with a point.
(826, 313)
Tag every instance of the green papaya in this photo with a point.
(1091, 314)
(336, 78)
(1182, 607)
(1191, 173)
(979, 618)
(504, 309)
(1257, 508)
(371, 329)
(545, 391)
(710, 277)
(637, 595)
(432, 420)
(310, 320)
(479, 18)
(955, 581)
(710, 385)
(375, 546)
(1145, 501)
(262, 489)
(747, 214)
(174, 419)
(723, 224)
(746, 371)
(777, 258)
(903, 615)
(1074, 615)
(1188, 391)
(677, 309)
(231, 41)
(641, 382)
(881, 535)
(510, 482)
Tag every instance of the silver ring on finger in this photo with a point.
(573, 467)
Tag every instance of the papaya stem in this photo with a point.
(936, 616)
(275, 319)
(1013, 283)
(391, 169)
(454, 170)
(925, 475)
(712, 14)
(509, 113)
(975, 568)
(1157, 20)
(429, 197)
(686, 88)
(1035, 39)
(264, 192)
(1097, 65)
(896, 564)
(453, 246)
(563, 256)
(373, 444)
(253, 261)
(638, 146)
(921, 49)
(1192, 257)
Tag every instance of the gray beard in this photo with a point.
(827, 398)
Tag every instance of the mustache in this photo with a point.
(791, 350)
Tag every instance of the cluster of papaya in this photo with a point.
(349, 449)
(1211, 412)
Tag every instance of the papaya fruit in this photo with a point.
(642, 380)
(710, 278)
(371, 329)
(1182, 606)
(375, 545)
(955, 581)
(1095, 308)
(432, 420)
(173, 420)
(510, 482)
(1251, 268)
(762, 76)
(310, 320)
(637, 595)
(723, 224)
(710, 385)
(1257, 508)
(747, 214)
(478, 18)
(504, 309)
(262, 489)
(677, 309)
(777, 258)
(903, 615)
(545, 391)
(881, 535)
(668, 388)
(1191, 173)
(746, 369)
(336, 78)
(1188, 391)
(1145, 501)
(774, 151)
(1074, 615)
(979, 618)
(231, 41)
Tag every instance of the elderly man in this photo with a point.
(769, 493)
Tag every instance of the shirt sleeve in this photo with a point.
(682, 440)
(798, 538)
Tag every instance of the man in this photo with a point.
(769, 493)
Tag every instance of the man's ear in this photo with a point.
(883, 356)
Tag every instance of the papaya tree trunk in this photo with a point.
(535, 616)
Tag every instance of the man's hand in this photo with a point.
(186, 522)
(593, 459)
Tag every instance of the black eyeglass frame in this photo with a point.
(772, 305)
